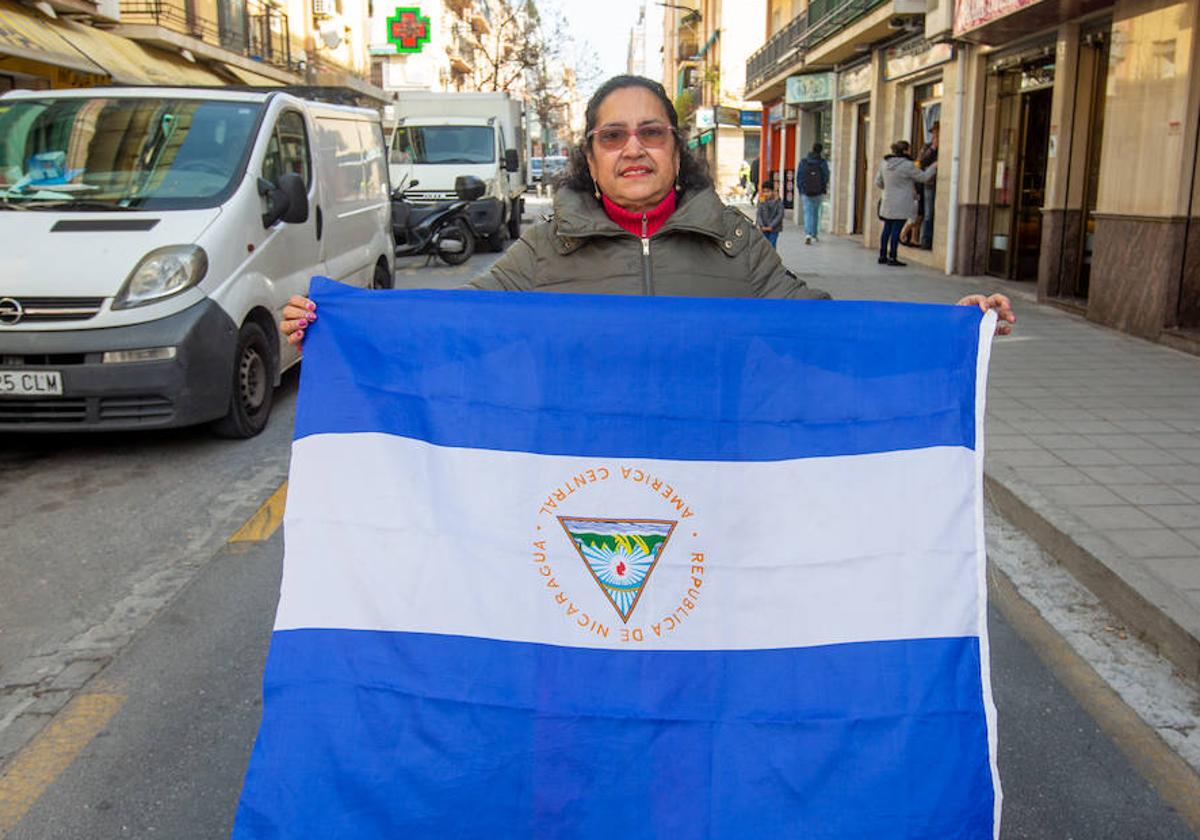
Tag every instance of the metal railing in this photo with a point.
(255, 30)
(821, 20)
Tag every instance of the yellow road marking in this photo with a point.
(1174, 779)
(265, 521)
(51, 752)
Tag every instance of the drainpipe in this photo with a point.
(955, 155)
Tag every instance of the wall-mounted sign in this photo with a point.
(813, 87)
(854, 81)
(752, 117)
(408, 30)
(704, 118)
(776, 113)
(971, 14)
(728, 116)
(914, 56)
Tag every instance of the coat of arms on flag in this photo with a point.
(620, 553)
(750, 603)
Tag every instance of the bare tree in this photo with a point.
(514, 47)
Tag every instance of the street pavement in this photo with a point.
(1093, 439)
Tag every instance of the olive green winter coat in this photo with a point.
(704, 249)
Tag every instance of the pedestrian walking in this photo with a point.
(898, 177)
(813, 177)
(754, 180)
(769, 216)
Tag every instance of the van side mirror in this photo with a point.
(287, 200)
(511, 161)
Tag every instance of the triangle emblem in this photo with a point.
(620, 554)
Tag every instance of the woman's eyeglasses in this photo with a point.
(612, 138)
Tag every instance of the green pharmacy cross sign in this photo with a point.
(408, 30)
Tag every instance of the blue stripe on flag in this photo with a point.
(370, 734)
(614, 376)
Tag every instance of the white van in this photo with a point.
(151, 238)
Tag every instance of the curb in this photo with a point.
(1175, 781)
(1132, 604)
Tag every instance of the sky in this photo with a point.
(605, 25)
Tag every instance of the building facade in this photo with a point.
(81, 43)
(705, 47)
(1067, 137)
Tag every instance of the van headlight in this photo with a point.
(162, 273)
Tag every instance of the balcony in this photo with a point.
(822, 19)
(255, 30)
(689, 45)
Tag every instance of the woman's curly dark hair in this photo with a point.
(693, 172)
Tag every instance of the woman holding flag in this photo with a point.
(637, 215)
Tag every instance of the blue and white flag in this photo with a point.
(615, 567)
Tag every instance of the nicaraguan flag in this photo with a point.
(616, 567)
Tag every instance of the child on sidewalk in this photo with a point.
(769, 218)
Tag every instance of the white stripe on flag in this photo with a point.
(390, 533)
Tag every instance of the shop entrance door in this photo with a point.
(1078, 290)
(1019, 188)
(862, 131)
(1035, 144)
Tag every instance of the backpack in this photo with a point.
(811, 182)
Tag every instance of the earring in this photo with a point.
(596, 191)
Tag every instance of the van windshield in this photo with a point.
(117, 153)
(443, 144)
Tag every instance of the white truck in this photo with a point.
(438, 136)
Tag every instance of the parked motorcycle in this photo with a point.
(441, 230)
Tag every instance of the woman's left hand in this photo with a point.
(999, 302)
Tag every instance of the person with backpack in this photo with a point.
(813, 177)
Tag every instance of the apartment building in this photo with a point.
(705, 47)
(1067, 138)
(82, 43)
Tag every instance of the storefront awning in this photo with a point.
(24, 34)
(249, 77)
(131, 63)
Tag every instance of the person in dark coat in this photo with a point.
(769, 217)
(812, 180)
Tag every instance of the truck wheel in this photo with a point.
(382, 278)
(497, 240)
(514, 219)
(253, 386)
(456, 244)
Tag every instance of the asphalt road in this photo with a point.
(119, 580)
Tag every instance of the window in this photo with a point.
(287, 150)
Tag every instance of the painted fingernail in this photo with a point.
(299, 335)
(310, 305)
(312, 316)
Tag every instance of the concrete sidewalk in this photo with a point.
(1093, 440)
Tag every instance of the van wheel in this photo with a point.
(382, 279)
(253, 386)
(456, 244)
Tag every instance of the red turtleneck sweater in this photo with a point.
(632, 222)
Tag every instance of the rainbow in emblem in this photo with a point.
(620, 554)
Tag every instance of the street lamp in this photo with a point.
(692, 15)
